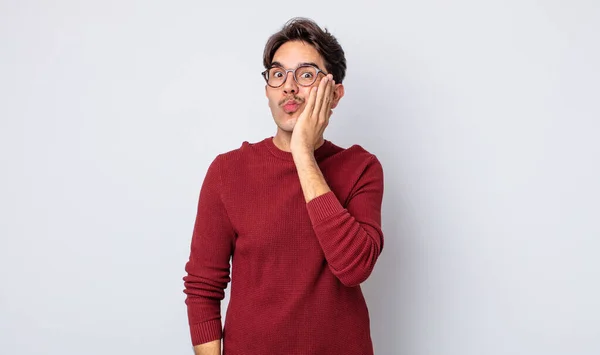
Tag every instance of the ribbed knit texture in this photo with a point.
(296, 267)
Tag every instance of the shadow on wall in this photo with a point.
(390, 290)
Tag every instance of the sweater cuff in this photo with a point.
(323, 207)
(205, 332)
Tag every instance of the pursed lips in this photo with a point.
(291, 105)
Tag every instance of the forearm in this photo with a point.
(350, 247)
(208, 267)
(311, 178)
(210, 348)
(350, 234)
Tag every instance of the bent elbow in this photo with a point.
(359, 270)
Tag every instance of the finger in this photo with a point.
(332, 96)
(323, 104)
(327, 100)
(310, 103)
(320, 95)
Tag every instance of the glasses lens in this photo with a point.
(306, 75)
(276, 76)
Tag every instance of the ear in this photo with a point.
(338, 93)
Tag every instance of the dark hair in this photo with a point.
(306, 30)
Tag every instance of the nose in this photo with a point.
(290, 85)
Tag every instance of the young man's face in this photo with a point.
(288, 101)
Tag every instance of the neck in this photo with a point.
(283, 139)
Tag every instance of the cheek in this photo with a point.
(272, 101)
(304, 92)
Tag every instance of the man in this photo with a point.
(299, 216)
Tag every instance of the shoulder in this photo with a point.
(359, 158)
(235, 160)
(245, 150)
(360, 153)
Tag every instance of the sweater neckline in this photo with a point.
(281, 154)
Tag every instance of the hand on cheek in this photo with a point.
(315, 117)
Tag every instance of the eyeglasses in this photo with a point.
(304, 75)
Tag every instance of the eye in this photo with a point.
(306, 74)
(276, 73)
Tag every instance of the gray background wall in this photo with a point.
(485, 115)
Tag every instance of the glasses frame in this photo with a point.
(266, 73)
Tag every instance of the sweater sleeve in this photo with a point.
(351, 237)
(208, 268)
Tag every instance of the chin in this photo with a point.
(287, 124)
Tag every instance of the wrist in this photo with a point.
(300, 150)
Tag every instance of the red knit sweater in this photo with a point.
(295, 266)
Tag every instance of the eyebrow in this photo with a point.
(299, 64)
